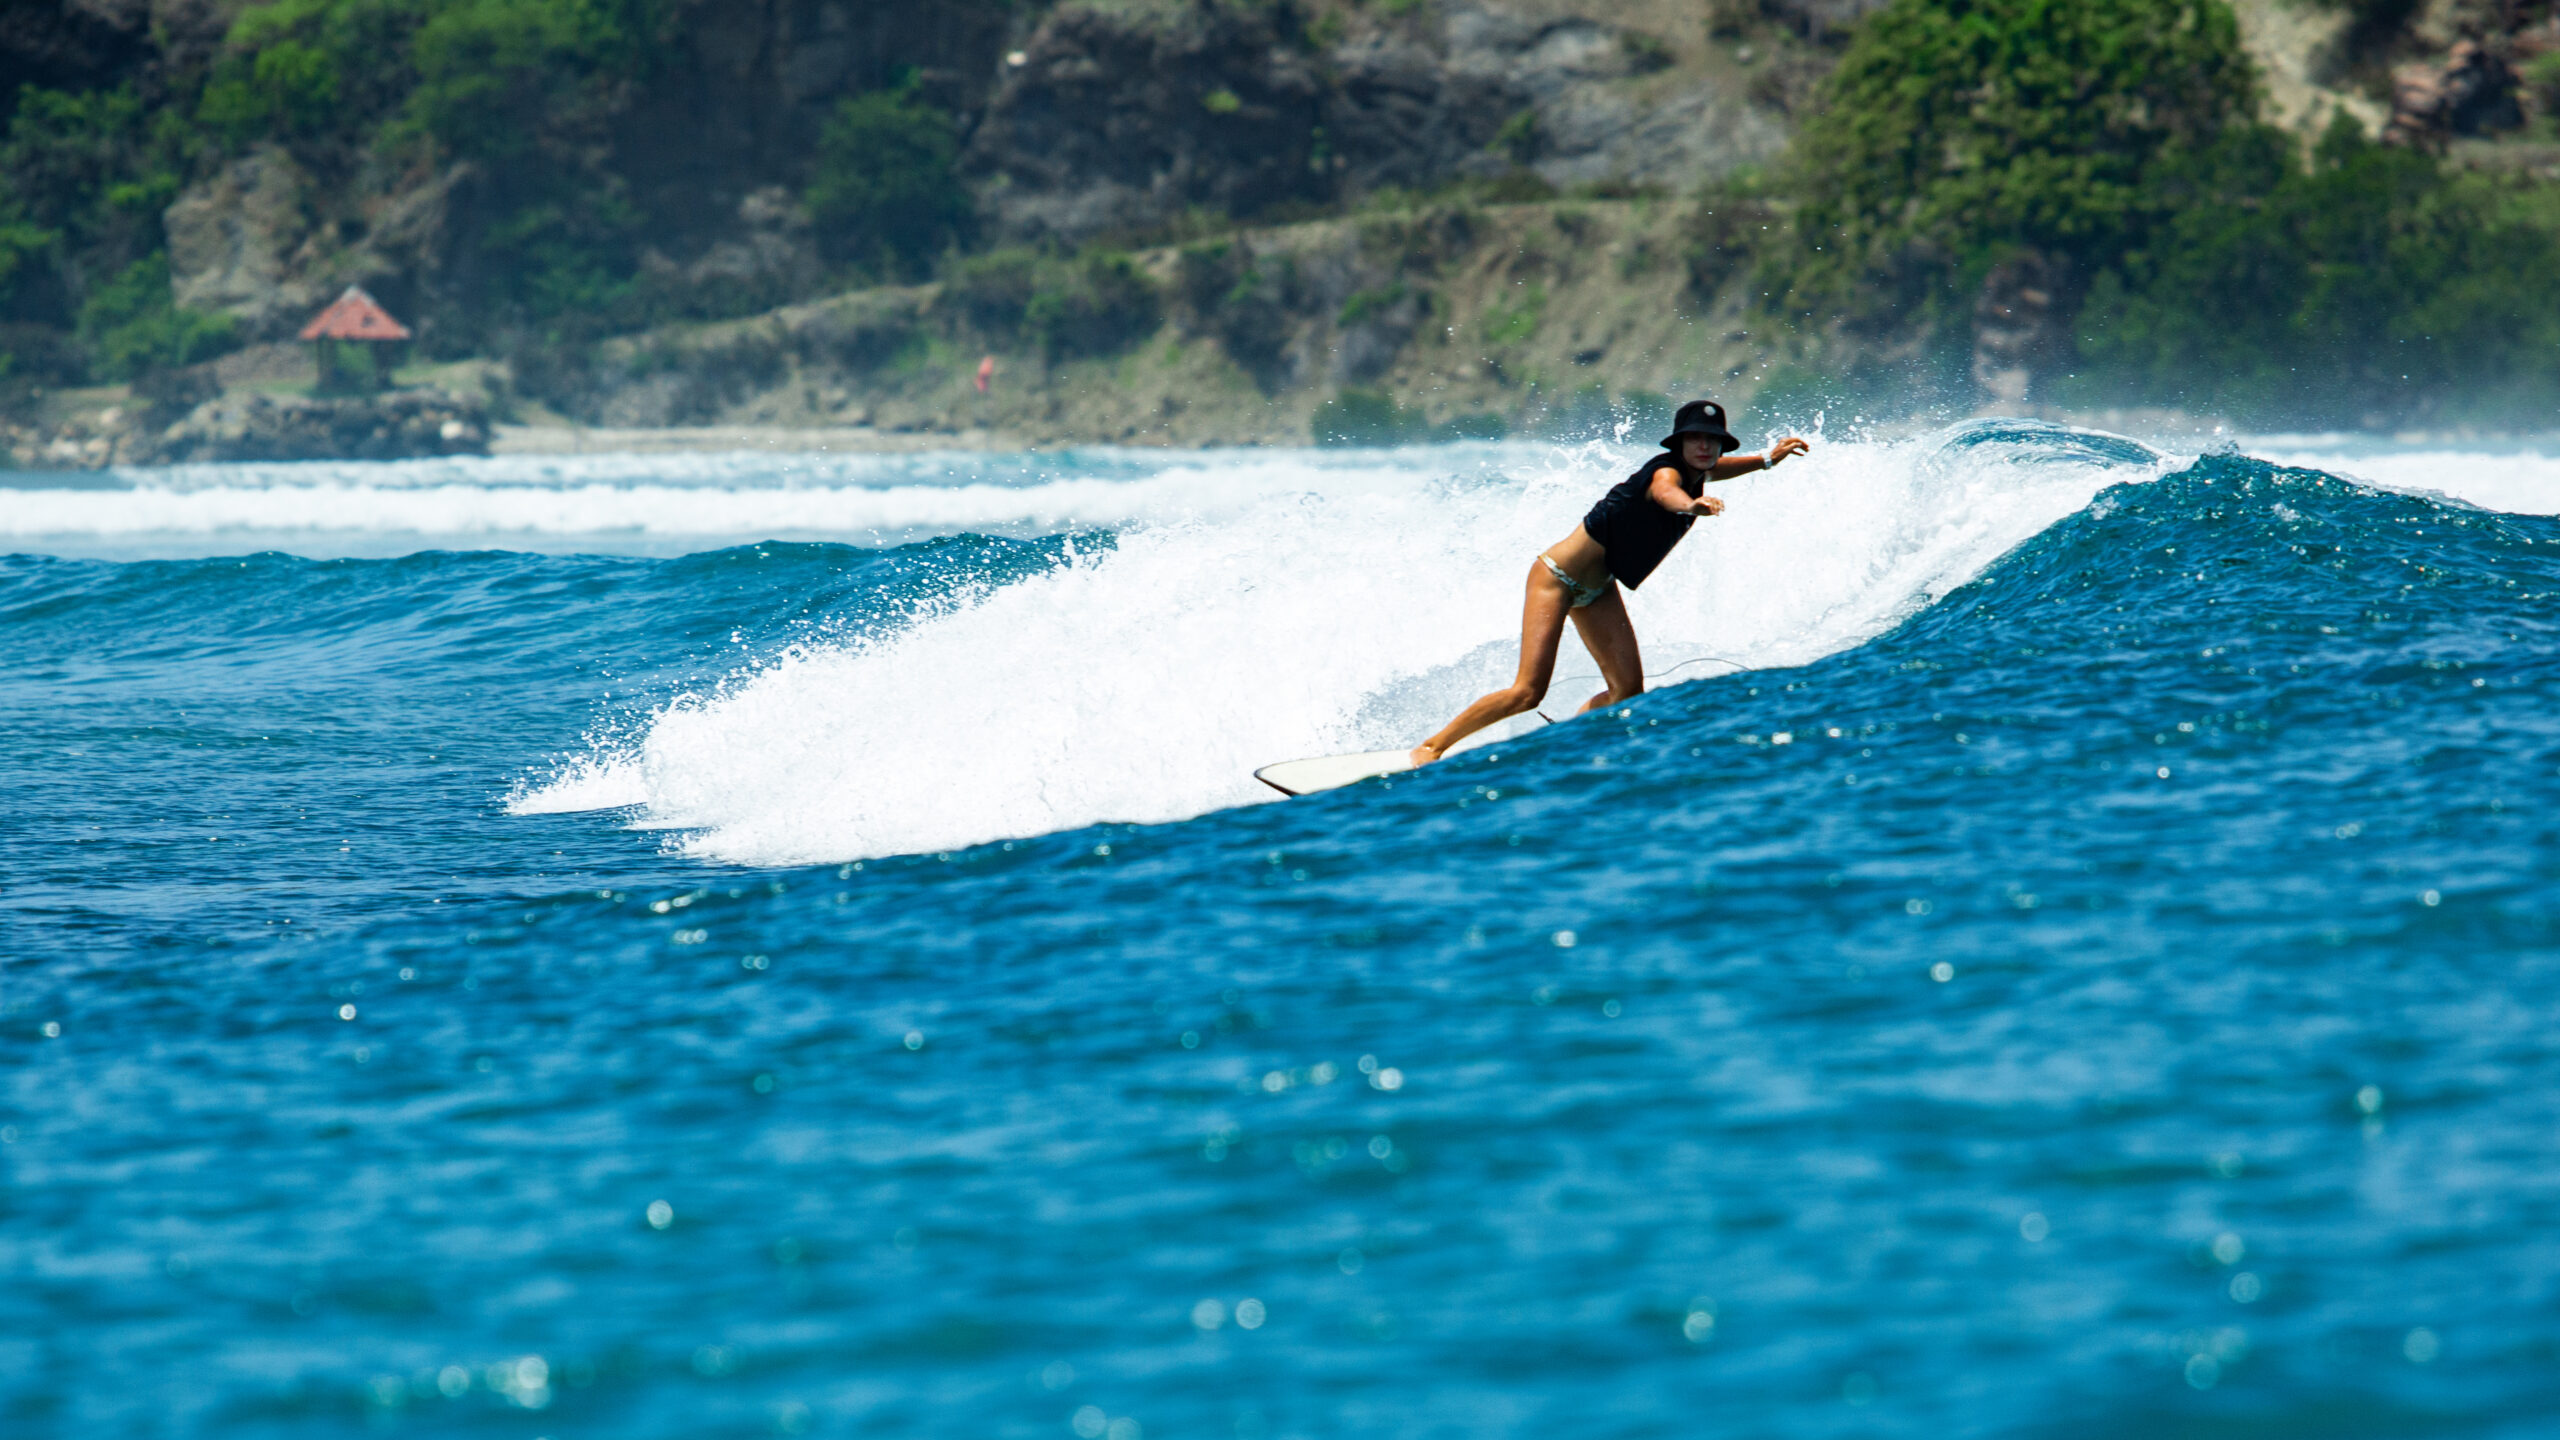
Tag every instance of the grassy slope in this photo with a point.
(1540, 305)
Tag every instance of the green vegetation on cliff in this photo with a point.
(523, 91)
(2077, 202)
(80, 249)
(1957, 131)
(2179, 250)
(543, 121)
(2369, 282)
(887, 191)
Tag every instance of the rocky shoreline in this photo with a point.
(141, 430)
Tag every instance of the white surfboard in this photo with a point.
(1327, 772)
(1331, 772)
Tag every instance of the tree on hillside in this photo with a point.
(886, 194)
(2368, 283)
(83, 179)
(2081, 192)
(1956, 132)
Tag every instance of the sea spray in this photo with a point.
(1317, 609)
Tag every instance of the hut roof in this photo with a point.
(355, 316)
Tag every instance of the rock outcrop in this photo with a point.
(2022, 325)
(240, 245)
(263, 241)
(740, 96)
(1113, 119)
(400, 425)
(2471, 91)
(1125, 117)
(75, 44)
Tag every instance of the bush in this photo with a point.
(1509, 324)
(310, 71)
(37, 355)
(886, 195)
(1249, 302)
(1096, 304)
(26, 249)
(1205, 275)
(133, 326)
(992, 290)
(1363, 304)
(530, 89)
(94, 170)
(859, 338)
(2542, 82)
(1100, 305)
(1523, 137)
(2371, 282)
(1956, 129)
(288, 88)
(2119, 144)
(83, 179)
(1516, 186)
(518, 80)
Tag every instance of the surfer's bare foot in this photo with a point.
(1423, 755)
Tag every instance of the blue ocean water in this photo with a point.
(2078, 956)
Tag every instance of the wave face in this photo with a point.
(2076, 958)
(1311, 613)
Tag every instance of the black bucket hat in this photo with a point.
(1700, 417)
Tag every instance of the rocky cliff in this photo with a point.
(1080, 120)
(1125, 118)
(704, 149)
(1440, 210)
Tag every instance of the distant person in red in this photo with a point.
(1618, 543)
(986, 373)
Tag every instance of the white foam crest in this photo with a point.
(2519, 482)
(714, 469)
(490, 514)
(1358, 610)
(645, 504)
(604, 780)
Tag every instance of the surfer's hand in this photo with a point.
(1784, 448)
(1706, 505)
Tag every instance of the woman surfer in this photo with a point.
(1619, 543)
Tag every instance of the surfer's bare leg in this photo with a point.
(1610, 636)
(1541, 631)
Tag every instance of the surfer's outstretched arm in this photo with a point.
(1733, 465)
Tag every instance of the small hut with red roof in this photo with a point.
(356, 342)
